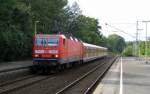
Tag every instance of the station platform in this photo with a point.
(17, 64)
(128, 75)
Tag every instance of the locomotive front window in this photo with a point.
(41, 42)
(53, 42)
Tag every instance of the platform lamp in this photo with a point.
(35, 27)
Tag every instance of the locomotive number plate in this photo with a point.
(39, 51)
(53, 51)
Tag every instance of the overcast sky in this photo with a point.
(121, 14)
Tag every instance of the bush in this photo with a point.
(14, 45)
(128, 51)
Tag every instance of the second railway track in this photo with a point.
(85, 83)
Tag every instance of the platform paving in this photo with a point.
(135, 78)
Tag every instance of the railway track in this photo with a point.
(79, 86)
(13, 73)
(13, 69)
(15, 80)
(9, 87)
(92, 87)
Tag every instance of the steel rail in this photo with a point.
(78, 79)
(17, 80)
(99, 78)
(14, 69)
(24, 85)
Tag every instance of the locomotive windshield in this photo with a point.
(46, 41)
(52, 41)
(41, 42)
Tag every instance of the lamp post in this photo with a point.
(138, 36)
(146, 22)
(35, 27)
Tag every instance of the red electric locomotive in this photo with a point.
(51, 52)
(56, 50)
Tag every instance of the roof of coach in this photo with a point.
(94, 46)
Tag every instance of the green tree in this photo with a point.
(87, 29)
(116, 43)
(142, 48)
(128, 51)
(50, 13)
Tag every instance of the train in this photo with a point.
(58, 51)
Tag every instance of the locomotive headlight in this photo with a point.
(36, 55)
(56, 56)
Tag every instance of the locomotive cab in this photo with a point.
(46, 49)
